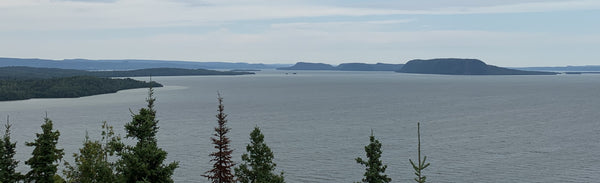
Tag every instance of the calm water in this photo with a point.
(474, 128)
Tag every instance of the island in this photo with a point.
(457, 66)
(309, 66)
(344, 67)
(368, 67)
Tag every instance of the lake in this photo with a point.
(473, 128)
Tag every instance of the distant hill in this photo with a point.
(344, 67)
(84, 64)
(20, 72)
(455, 66)
(368, 67)
(308, 66)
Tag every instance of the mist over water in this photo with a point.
(474, 128)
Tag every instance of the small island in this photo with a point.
(456, 66)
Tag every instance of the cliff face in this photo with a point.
(455, 66)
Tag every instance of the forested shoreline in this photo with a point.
(67, 87)
(20, 83)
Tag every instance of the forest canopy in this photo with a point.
(67, 87)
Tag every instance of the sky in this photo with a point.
(510, 33)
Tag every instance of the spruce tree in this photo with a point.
(421, 164)
(92, 164)
(7, 161)
(45, 155)
(258, 165)
(221, 171)
(144, 161)
(375, 169)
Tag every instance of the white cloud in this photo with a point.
(76, 14)
(341, 25)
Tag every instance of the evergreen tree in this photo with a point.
(375, 169)
(144, 161)
(258, 165)
(7, 161)
(418, 168)
(92, 164)
(221, 172)
(45, 155)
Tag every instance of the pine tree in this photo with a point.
(45, 155)
(144, 161)
(418, 168)
(7, 161)
(375, 169)
(258, 165)
(221, 172)
(92, 164)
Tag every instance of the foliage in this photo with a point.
(69, 87)
(144, 161)
(375, 169)
(45, 155)
(221, 172)
(92, 164)
(258, 165)
(7, 161)
(421, 164)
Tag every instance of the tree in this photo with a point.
(144, 161)
(45, 155)
(375, 169)
(7, 161)
(418, 168)
(221, 172)
(258, 165)
(92, 164)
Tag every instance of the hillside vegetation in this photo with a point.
(67, 87)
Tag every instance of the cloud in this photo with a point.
(341, 25)
(92, 1)
(75, 14)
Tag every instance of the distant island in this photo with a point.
(456, 66)
(19, 83)
(309, 66)
(343, 67)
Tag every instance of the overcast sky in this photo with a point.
(499, 32)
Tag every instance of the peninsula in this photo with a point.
(20, 83)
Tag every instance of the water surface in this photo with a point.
(474, 128)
